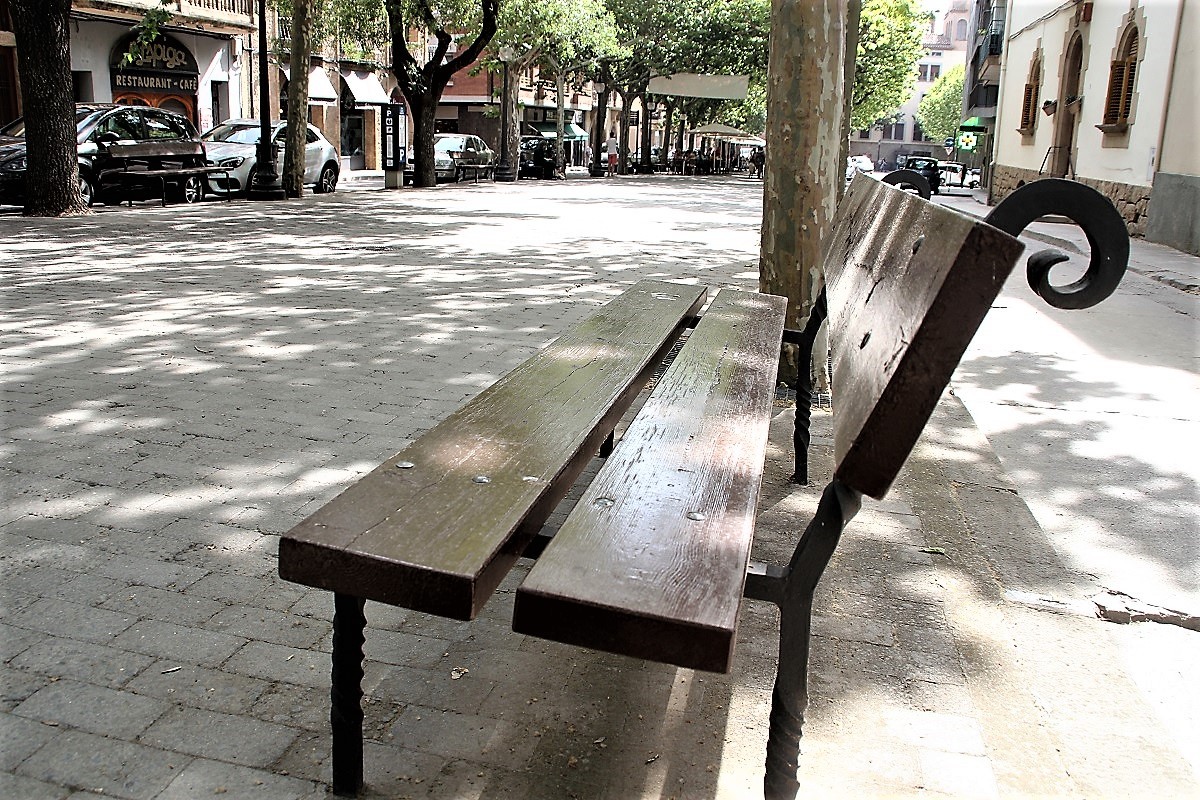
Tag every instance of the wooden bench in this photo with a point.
(161, 164)
(653, 560)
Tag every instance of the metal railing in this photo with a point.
(238, 8)
(240, 12)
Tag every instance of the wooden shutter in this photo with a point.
(1027, 109)
(1116, 90)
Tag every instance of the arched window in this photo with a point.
(1029, 102)
(1122, 77)
(960, 32)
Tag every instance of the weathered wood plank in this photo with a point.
(652, 560)
(436, 536)
(901, 316)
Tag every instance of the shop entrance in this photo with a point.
(166, 76)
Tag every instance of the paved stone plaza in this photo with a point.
(181, 385)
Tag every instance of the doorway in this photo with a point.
(1061, 163)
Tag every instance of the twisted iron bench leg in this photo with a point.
(793, 593)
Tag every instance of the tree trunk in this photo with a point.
(297, 121)
(623, 127)
(44, 61)
(850, 57)
(645, 162)
(424, 112)
(560, 156)
(805, 86)
(599, 125)
(664, 158)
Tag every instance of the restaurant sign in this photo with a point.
(165, 66)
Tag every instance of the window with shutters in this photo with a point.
(1029, 100)
(1122, 79)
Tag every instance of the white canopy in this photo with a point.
(365, 87)
(689, 84)
(320, 90)
(719, 130)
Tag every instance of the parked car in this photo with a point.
(858, 163)
(97, 126)
(927, 168)
(955, 174)
(460, 155)
(536, 158)
(234, 144)
(635, 159)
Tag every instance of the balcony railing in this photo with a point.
(236, 13)
(239, 8)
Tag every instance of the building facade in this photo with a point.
(945, 44)
(197, 68)
(1104, 93)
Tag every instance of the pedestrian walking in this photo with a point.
(612, 152)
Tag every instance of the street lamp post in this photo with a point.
(264, 182)
(504, 170)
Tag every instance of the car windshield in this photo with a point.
(448, 143)
(238, 134)
(920, 163)
(84, 118)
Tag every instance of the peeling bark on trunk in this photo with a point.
(297, 122)
(44, 61)
(805, 87)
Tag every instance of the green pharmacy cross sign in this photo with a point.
(968, 141)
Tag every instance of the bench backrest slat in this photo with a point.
(652, 560)
(900, 318)
(435, 537)
(172, 149)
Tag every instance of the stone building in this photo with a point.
(945, 43)
(199, 68)
(1104, 93)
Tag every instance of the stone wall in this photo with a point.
(1133, 202)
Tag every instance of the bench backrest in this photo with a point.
(174, 149)
(908, 284)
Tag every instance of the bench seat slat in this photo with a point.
(432, 538)
(652, 560)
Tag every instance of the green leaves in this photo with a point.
(148, 29)
(889, 47)
(940, 111)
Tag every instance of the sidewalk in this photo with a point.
(181, 385)
(1157, 262)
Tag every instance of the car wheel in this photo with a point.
(87, 191)
(327, 183)
(192, 190)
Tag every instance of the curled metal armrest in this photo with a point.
(1091, 211)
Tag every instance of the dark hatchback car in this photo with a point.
(98, 126)
(928, 169)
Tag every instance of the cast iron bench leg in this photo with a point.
(789, 701)
(346, 716)
(804, 386)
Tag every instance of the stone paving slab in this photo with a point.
(182, 385)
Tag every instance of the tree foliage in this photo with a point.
(148, 28)
(423, 74)
(565, 38)
(889, 47)
(940, 112)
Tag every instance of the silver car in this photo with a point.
(457, 156)
(234, 144)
